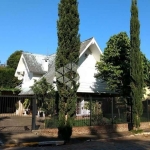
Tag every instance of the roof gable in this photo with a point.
(84, 44)
(89, 43)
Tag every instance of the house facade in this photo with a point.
(33, 67)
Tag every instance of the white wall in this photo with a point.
(20, 68)
(86, 72)
(81, 110)
(28, 77)
(146, 94)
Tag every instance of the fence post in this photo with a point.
(33, 112)
(112, 110)
(90, 111)
(147, 111)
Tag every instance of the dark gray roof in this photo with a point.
(34, 62)
(84, 44)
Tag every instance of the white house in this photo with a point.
(34, 66)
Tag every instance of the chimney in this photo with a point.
(45, 64)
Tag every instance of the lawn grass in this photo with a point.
(137, 131)
(53, 123)
(82, 122)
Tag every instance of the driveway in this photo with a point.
(14, 123)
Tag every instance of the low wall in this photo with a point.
(145, 125)
(90, 130)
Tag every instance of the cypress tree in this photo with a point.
(66, 61)
(136, 70)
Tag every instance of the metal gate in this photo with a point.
(17, 113)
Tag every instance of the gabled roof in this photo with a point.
(89, 43)
(34, 62)
(84, 44)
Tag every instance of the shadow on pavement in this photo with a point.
(107, 131)
(114, 144)
(5, 117)
(26, 137)
(4, 137)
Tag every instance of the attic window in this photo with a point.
(20, 73)
(46, 59)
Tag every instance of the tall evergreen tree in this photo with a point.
(136, 69)
(67, 55)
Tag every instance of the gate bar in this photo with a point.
(33, 113)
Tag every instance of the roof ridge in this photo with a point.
(34, 54)
(87, 39)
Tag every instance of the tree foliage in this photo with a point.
(67, 53)
(45, 94)
(8, 80)
(13, 59)
(147, 81)
(136, 66)
(114, 67)
(146, 71)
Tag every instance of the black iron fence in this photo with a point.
(16, 113)
(100, 111)
(146, 111)
(21, 113)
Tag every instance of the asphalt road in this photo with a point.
(138, 142)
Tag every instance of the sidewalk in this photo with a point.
(31, 139)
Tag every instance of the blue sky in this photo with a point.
(30, 25)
